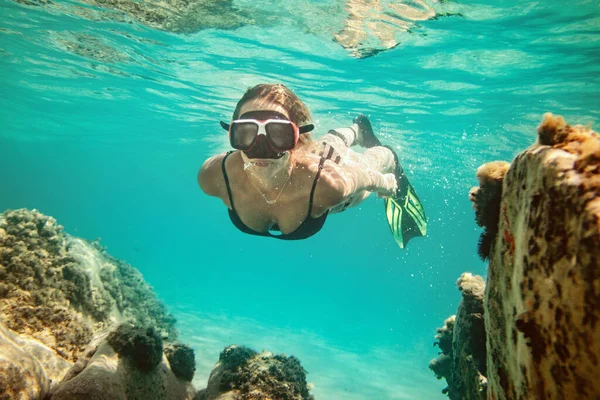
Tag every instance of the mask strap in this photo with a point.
(224, 125)
(304, 129)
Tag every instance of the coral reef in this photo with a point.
(462, 343)
(243, 374)
(63, 290)
(542, 298)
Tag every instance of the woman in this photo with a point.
(280, 182)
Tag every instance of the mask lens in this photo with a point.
(243, 134)
(281, 135)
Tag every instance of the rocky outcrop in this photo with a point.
(462, 343)
(542, 300)
(541, 216)
(243, 374)
(543, 291)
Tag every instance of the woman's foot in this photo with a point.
(365, 137)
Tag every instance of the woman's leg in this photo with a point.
(349, 135)
(378, 158)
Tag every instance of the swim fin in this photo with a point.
(404, 212)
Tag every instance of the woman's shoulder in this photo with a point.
(211, 177)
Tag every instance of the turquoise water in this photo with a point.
(104, 124)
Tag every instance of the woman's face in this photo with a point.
(261, 154)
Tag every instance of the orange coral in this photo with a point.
(492, 172)
(579, 140)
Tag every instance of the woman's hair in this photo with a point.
(279, 94)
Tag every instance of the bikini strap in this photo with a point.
(314, 185)
(227, 180)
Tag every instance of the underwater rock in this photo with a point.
(462, 343)
(142, 346)
(542, 302)
(103, 374)
(182, 360)
(486, 202)
(243, 374)
(63, 290)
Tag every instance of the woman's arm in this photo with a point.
(340, 184)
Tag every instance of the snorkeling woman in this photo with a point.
(281, 183)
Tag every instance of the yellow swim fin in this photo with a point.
(404, 211)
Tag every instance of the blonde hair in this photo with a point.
(278, 94)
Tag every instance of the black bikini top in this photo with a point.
(309, 226)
